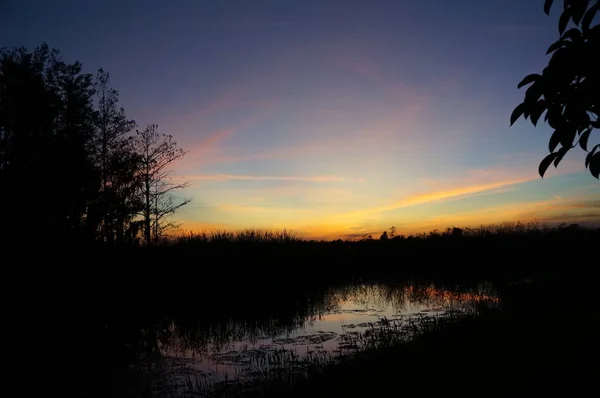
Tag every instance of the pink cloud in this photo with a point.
(399, 126)
(232, 177)
(518, 167)
(208, 150)
(476, 182)
(204, 146)
(411, 105)
(361, 63)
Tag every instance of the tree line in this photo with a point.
(73, 166)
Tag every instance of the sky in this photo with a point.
(332, 119)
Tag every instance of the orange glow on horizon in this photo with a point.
(350, 211)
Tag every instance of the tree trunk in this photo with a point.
(147, 207)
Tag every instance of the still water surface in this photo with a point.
(338, 323)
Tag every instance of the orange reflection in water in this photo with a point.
(435, 294)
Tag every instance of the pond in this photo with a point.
(342, 321)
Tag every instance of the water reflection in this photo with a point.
(338, 322)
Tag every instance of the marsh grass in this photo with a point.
(254, 236)
(538, 343)
(278, 279)
(284, 236)
(280, 370)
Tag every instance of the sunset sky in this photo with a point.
(331, 118)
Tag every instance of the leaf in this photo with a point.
(559, 58)
(567, 136)
(588, 17)
(561, 154)
(554, 46)
(529, 79)
(583, 139)
(555, 118)
(537, 111)
(572, 34)
(554, 140)
(547, 5)
(595, 165)
(589, 156)
(582, 118)
(534, 92)
(554, 112)
(596, 124)
(545, 163)
(564, 20)
(517, 113)
(577, 10)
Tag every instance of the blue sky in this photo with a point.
(330, 118)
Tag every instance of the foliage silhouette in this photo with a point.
(70, 167)
(568, 89)
(115, 160)
(46, 130)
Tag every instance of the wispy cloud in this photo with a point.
(410, 103)
(472, 183)
(229, 98)
(213, 139)
(399, 126)
(456, 193)
(234, 177)
(478, 179)
(546, 211)
(437, 196)
(395, 116)
(571, 205)
(199, 226)
(583, 211)
(561, 210)
(246, 209)
(207, 149)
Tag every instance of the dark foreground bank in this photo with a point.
(87, 307)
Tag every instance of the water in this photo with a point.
(340, 322)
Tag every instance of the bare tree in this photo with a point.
(156, 154)
(392, 233)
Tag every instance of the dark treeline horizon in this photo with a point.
(73, 166)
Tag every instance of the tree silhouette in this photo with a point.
(393, 231)
(70, 166)
(45, 131)
(568, 89)
(123, 196)
(113, 157)
(156, 153)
